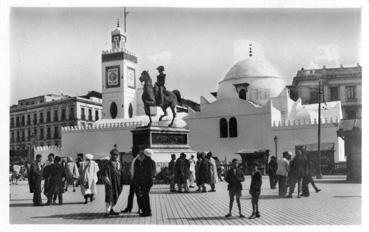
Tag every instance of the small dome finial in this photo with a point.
(117, 22)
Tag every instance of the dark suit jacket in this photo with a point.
(256, 181)
(35, 177)
(234, 181)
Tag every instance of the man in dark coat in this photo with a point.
(204, 174)
(182, 169)
(297, 172)
(55, 181)
(144, 171)
(234, 177)
(197, 170)
(112, 174)
(46, 173)
(35, 178)
(171, 168)
(272, 170)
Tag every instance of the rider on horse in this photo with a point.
(159, 86)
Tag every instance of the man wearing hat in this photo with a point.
(112, 174)
(144, 171)
(159, 86)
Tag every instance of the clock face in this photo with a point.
(112, 76)
(131, 79)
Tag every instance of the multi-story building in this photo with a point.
(37, 121)
(338, 84)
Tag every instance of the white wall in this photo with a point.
(98, 142)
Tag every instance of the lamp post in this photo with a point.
(275, 143)
(320, 92)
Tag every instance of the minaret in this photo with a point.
(118, 68)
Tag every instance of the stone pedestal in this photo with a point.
(164, 141)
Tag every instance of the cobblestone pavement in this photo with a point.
(339, 203)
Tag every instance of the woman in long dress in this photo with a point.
(88, 178)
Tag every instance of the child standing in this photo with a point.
(234, 178)
(255, 189)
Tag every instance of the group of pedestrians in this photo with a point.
(183, 172)
(289, 172)
(58, 176)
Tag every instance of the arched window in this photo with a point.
(113, 110)
(223, 125)
(233, 127)
(130, 110)
(242, 94)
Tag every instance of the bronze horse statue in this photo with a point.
(171, 98)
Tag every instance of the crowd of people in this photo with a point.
(184, 174)
(288, 172)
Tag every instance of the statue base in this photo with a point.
(164, 141)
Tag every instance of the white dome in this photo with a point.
(251, 67)
(306, 114)
(263, 80)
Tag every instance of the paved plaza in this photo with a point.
(339, 203)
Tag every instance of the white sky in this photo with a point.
(58, 50)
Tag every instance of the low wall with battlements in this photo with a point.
(98, 140)
(305, 132)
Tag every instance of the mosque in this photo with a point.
(252, 107)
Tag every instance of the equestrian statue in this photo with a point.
(158, 95)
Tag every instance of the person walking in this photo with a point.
(132, 189)
(282, 173)
(234, 177)
(71, 171)
(172, 171)
(308, 178)
(144, 171)
(255, 190)
(297, 170)
(35, 178)
(88, 178)
(112, 174)
(213, 171)
(272, 172)
(192, 172)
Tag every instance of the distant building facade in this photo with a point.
(339, 84)
(37, 121)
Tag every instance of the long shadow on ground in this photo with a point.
(85, 216)
(31, 204)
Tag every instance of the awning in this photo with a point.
(250, 151)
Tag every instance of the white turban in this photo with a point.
(89, 156)
(148, 152)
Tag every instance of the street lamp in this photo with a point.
(320, 93)
(275, 142)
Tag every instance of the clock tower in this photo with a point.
(118, 67)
